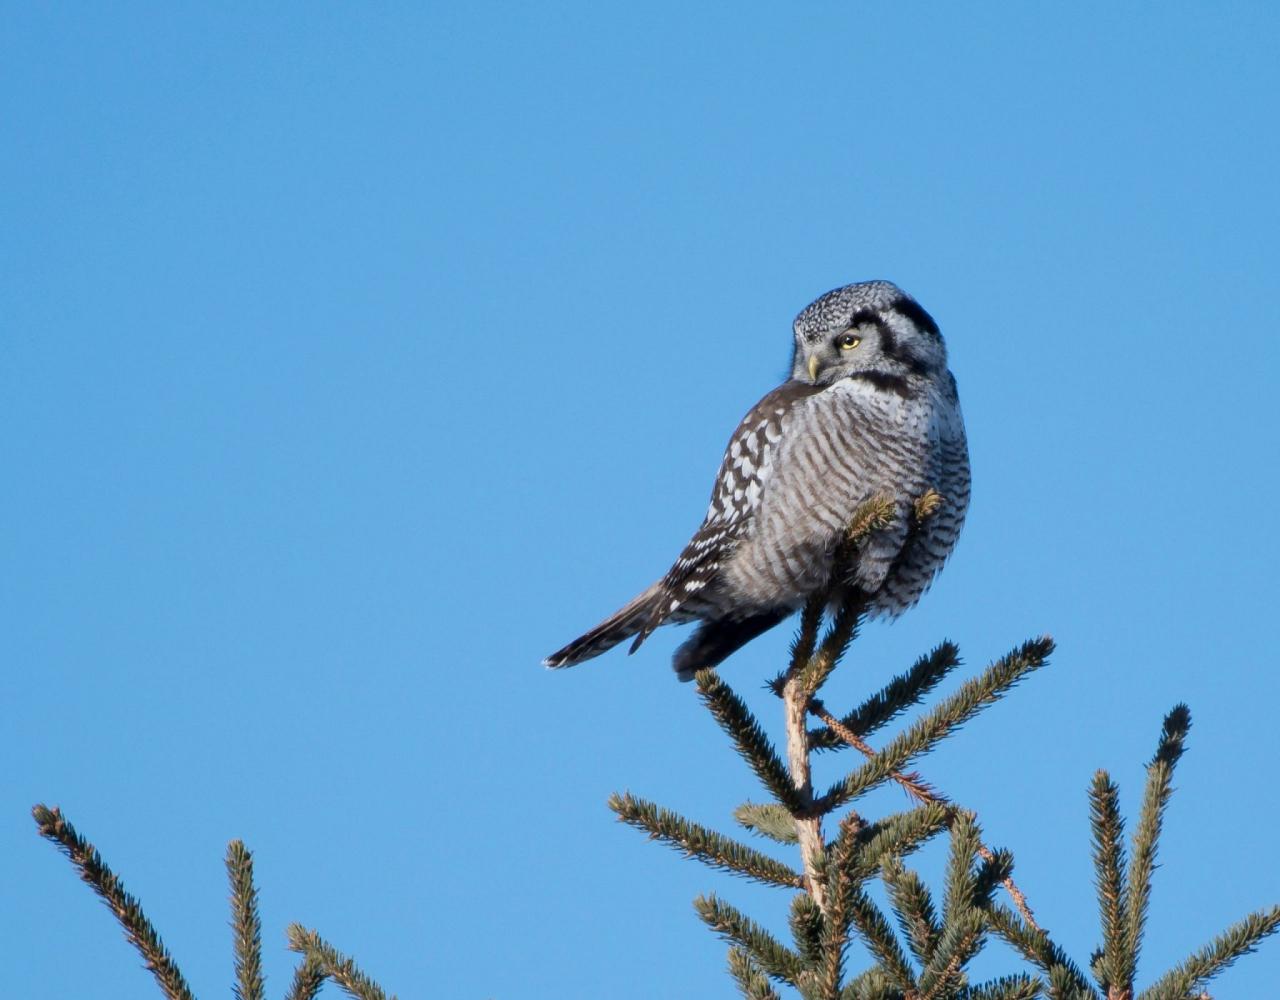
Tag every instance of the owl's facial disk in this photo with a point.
(871, 330)
(882, 343)
(829, 357)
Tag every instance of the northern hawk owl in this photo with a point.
(870, 410)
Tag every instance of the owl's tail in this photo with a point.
(622, 624)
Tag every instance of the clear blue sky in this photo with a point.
(354, 357)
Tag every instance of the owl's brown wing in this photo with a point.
(735, 498)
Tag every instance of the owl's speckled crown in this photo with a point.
(837, 306)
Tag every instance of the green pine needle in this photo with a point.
(1066, 981)
(894, 698)
(808, 928)
(896, 837)
(308, 977)
(992, 873)
(94, 871)
(335, 965)
(973, 696)
(705, 845)
(962, 936)
(1066, 984)
(835, 927)
(245, 924)
(877, 933)
(871, 985)
(769, 820)
(1173, 737)
(815, 671)
(1237, 940)
(806, 638)
(1116, 966)
(737, 928)
(913, 907)
(749, 738)
(1005, 988)
(753, 983)
(961, 883)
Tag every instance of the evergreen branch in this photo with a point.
(871, 985)
(964, 927)
(1147, 836)
(920, 790)
(1066, 981)
(246, 926)
(749, 738)
(913, 906)
(878, 935)
(308, 977)
(1237, 940)
(767, 819)
(1066, 985)
(1116, 966)
(752, 983)
(841, 884)
(835, 925)
(814, 673)
(814, 669)
(737, 928)
(914, 785)
(808, 926)
(960, 883)
(1005, 988)
(895, 837)
(893, 699)
(94, 871)
(961, 938)
(334, 964)
(996, 869)
(806, 640)
(973, 696)
(1011, 887)
(705, 845)
(963, 923)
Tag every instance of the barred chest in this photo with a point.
(838, 448)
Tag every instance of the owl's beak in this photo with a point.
(813, 367)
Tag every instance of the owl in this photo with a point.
(870, 410)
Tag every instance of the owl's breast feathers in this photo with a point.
(798, 466)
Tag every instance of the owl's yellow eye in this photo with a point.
(847, 341)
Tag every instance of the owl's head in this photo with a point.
(872, 328)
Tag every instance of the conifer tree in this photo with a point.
(320, 960)
(922, 947)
